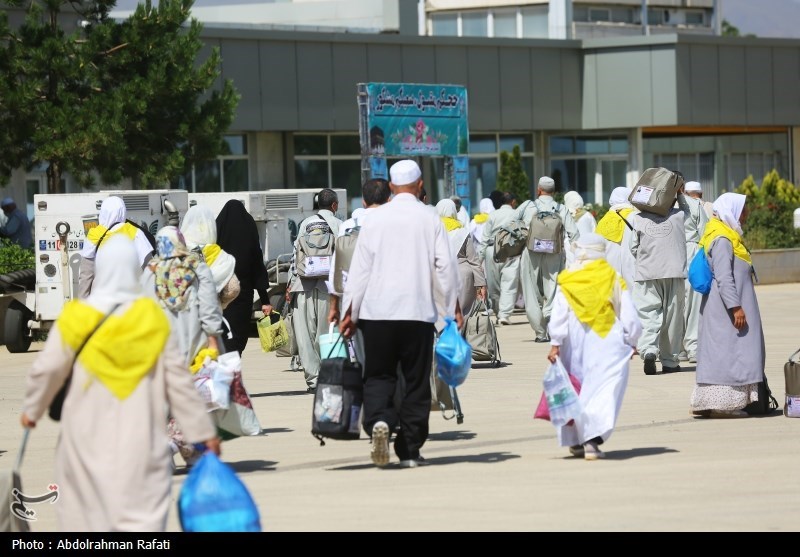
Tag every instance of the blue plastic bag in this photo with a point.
(700, 275)
(214, 499)
(453, 355)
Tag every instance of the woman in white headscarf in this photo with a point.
(486, 207)
(614, 229)
(470, 269)
(584, 220)
(593, 329)
(112, 459)
(112, 220)
(730, 346)
(199, 229)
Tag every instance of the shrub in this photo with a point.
(14, 258)
(770, 222)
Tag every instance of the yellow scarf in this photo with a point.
(200, 359)
(125, 347)
(480, 218)
(611, 227)
(210, 253)
(589, 292)
(97, 232)
(716, 227)
(451, 223)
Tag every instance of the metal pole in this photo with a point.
(645, 26)
(449, 178)
(363, 131)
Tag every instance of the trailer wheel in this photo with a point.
(16, 333)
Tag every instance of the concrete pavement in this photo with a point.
(499, 471)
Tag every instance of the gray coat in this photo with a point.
(725, 355)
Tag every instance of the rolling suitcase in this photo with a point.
(480, 333)
(11, 486)
(791, 374)
(656, 191)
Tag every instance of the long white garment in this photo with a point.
(310, 320)
(400, 249)
(601, 365)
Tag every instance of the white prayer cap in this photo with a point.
(405, 172)
(547, 183)
(693, 186)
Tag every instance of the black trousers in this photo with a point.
(238, 314)
(409, 343)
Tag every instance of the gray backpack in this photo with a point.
(509, 240)
(315, 248)
(345, 247)
(546, 231)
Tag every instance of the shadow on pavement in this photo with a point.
(244, 466)
(626, 454)
(276, 430)
(485, 458)
(452, 436)
(490, 365)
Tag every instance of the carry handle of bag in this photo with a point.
(18, 463)
(791, 358)
(338, 340)
(624, 219)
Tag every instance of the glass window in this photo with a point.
(347, 175)
(562, 145)
(525, 143)
(237, 144)
(444, 25)
(505, 24)
(482, 144)
(621, 15)
(580, 13)
(182, 181)
(591, 145)
(235, 174)
(311, 174)
(619, 145)
(310, 144)
(345, 145)
(534, 22)
(694, 18)
(473, 24)
(207, 177)
(599, 14)
(614, 176)
(655, 17)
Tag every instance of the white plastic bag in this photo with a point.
(562, 399)
(213, 382)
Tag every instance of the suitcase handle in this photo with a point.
(791, 358)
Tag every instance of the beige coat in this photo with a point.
(113, 457)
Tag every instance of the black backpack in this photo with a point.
(766, 403)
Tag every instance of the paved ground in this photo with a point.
(500, 471)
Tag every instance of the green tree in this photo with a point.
(122, 99)
(730, 30)
(512, 176)
(772, 204)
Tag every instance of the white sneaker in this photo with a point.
(380, 444)
(413, 463)
(504, 321)
(592, 452)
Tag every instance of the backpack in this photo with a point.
(766, 403)
(509, 241)
(481, 335)
(314, 250)
(546, 231)
(345, 247)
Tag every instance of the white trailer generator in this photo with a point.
(61, 223)
(278, 214)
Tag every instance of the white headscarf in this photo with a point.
(446, 208)
(199, 229)
(117, 274)
(619, 196)
(112, 212)
(486, 206)
(573, 201)
(589, 247)
(728, 208)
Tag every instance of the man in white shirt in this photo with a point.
(695, 224)
(311, 293)
(402, 249)
(502, 277)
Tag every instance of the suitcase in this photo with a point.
(656, 191)
(791, 374)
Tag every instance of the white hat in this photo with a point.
(693, 186)
(404, 172)
(547, 182)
